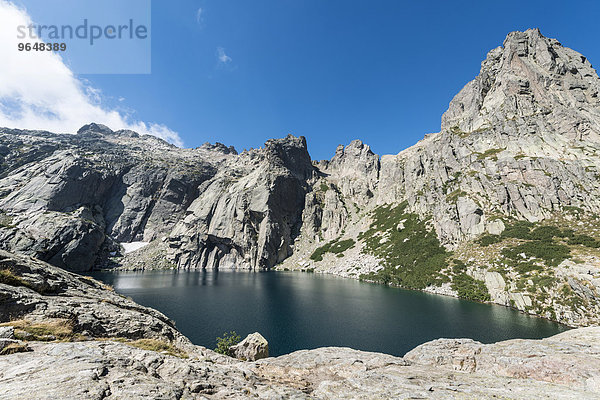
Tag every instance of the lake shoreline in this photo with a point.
(315, 300)
(429, 290)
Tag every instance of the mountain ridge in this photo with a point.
(458, 213)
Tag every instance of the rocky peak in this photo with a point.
(290, 152)
(218, 147)
(127, 133)
(531, 84)
(95, 128)
(356, 149)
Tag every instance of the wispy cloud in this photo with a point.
(222, 56)
(38, 91)
(199, 15)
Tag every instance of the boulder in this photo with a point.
(252, 348)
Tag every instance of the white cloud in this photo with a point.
(222, 57)
(38, 91)
(199, 15)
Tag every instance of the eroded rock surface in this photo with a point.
(40, 292)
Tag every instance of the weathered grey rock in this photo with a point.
(95, 310)
(70, 197)
(97, 370)
(252, 348)
(7, 332)
(557, 359)
(249, 214)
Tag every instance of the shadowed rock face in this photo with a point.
(70, 198)
(249, 213)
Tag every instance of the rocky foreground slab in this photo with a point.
(68, 337)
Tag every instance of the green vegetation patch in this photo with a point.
(523, 230)
(453, 197)
(411, 252)
(551, 253)
(540, 245)
(6, 221)
(335, 246)
(487, 240)
(226, 341)
(584, 240)
(470, 288)
(518, 230)
(543, 281)
(457, 131)
(491, 153)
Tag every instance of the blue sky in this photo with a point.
(243, 71)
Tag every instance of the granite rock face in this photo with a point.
(42, 292)
(249, 213)
(68, 199)
(98, 370)
(521, 142)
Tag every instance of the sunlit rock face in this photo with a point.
(521, 142)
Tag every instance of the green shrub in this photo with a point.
(545, 233)
(523, 267)
(459, 266)
(551, 253)
(584, 240)
(518, 230)
(489, 239)
(225, 342)
(335, 247)
(470, 288)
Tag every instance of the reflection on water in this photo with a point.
(301, 310)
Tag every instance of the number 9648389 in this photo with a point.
(42, 46)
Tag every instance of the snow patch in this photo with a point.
(133, 246)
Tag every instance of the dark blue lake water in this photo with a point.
(295, 310)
